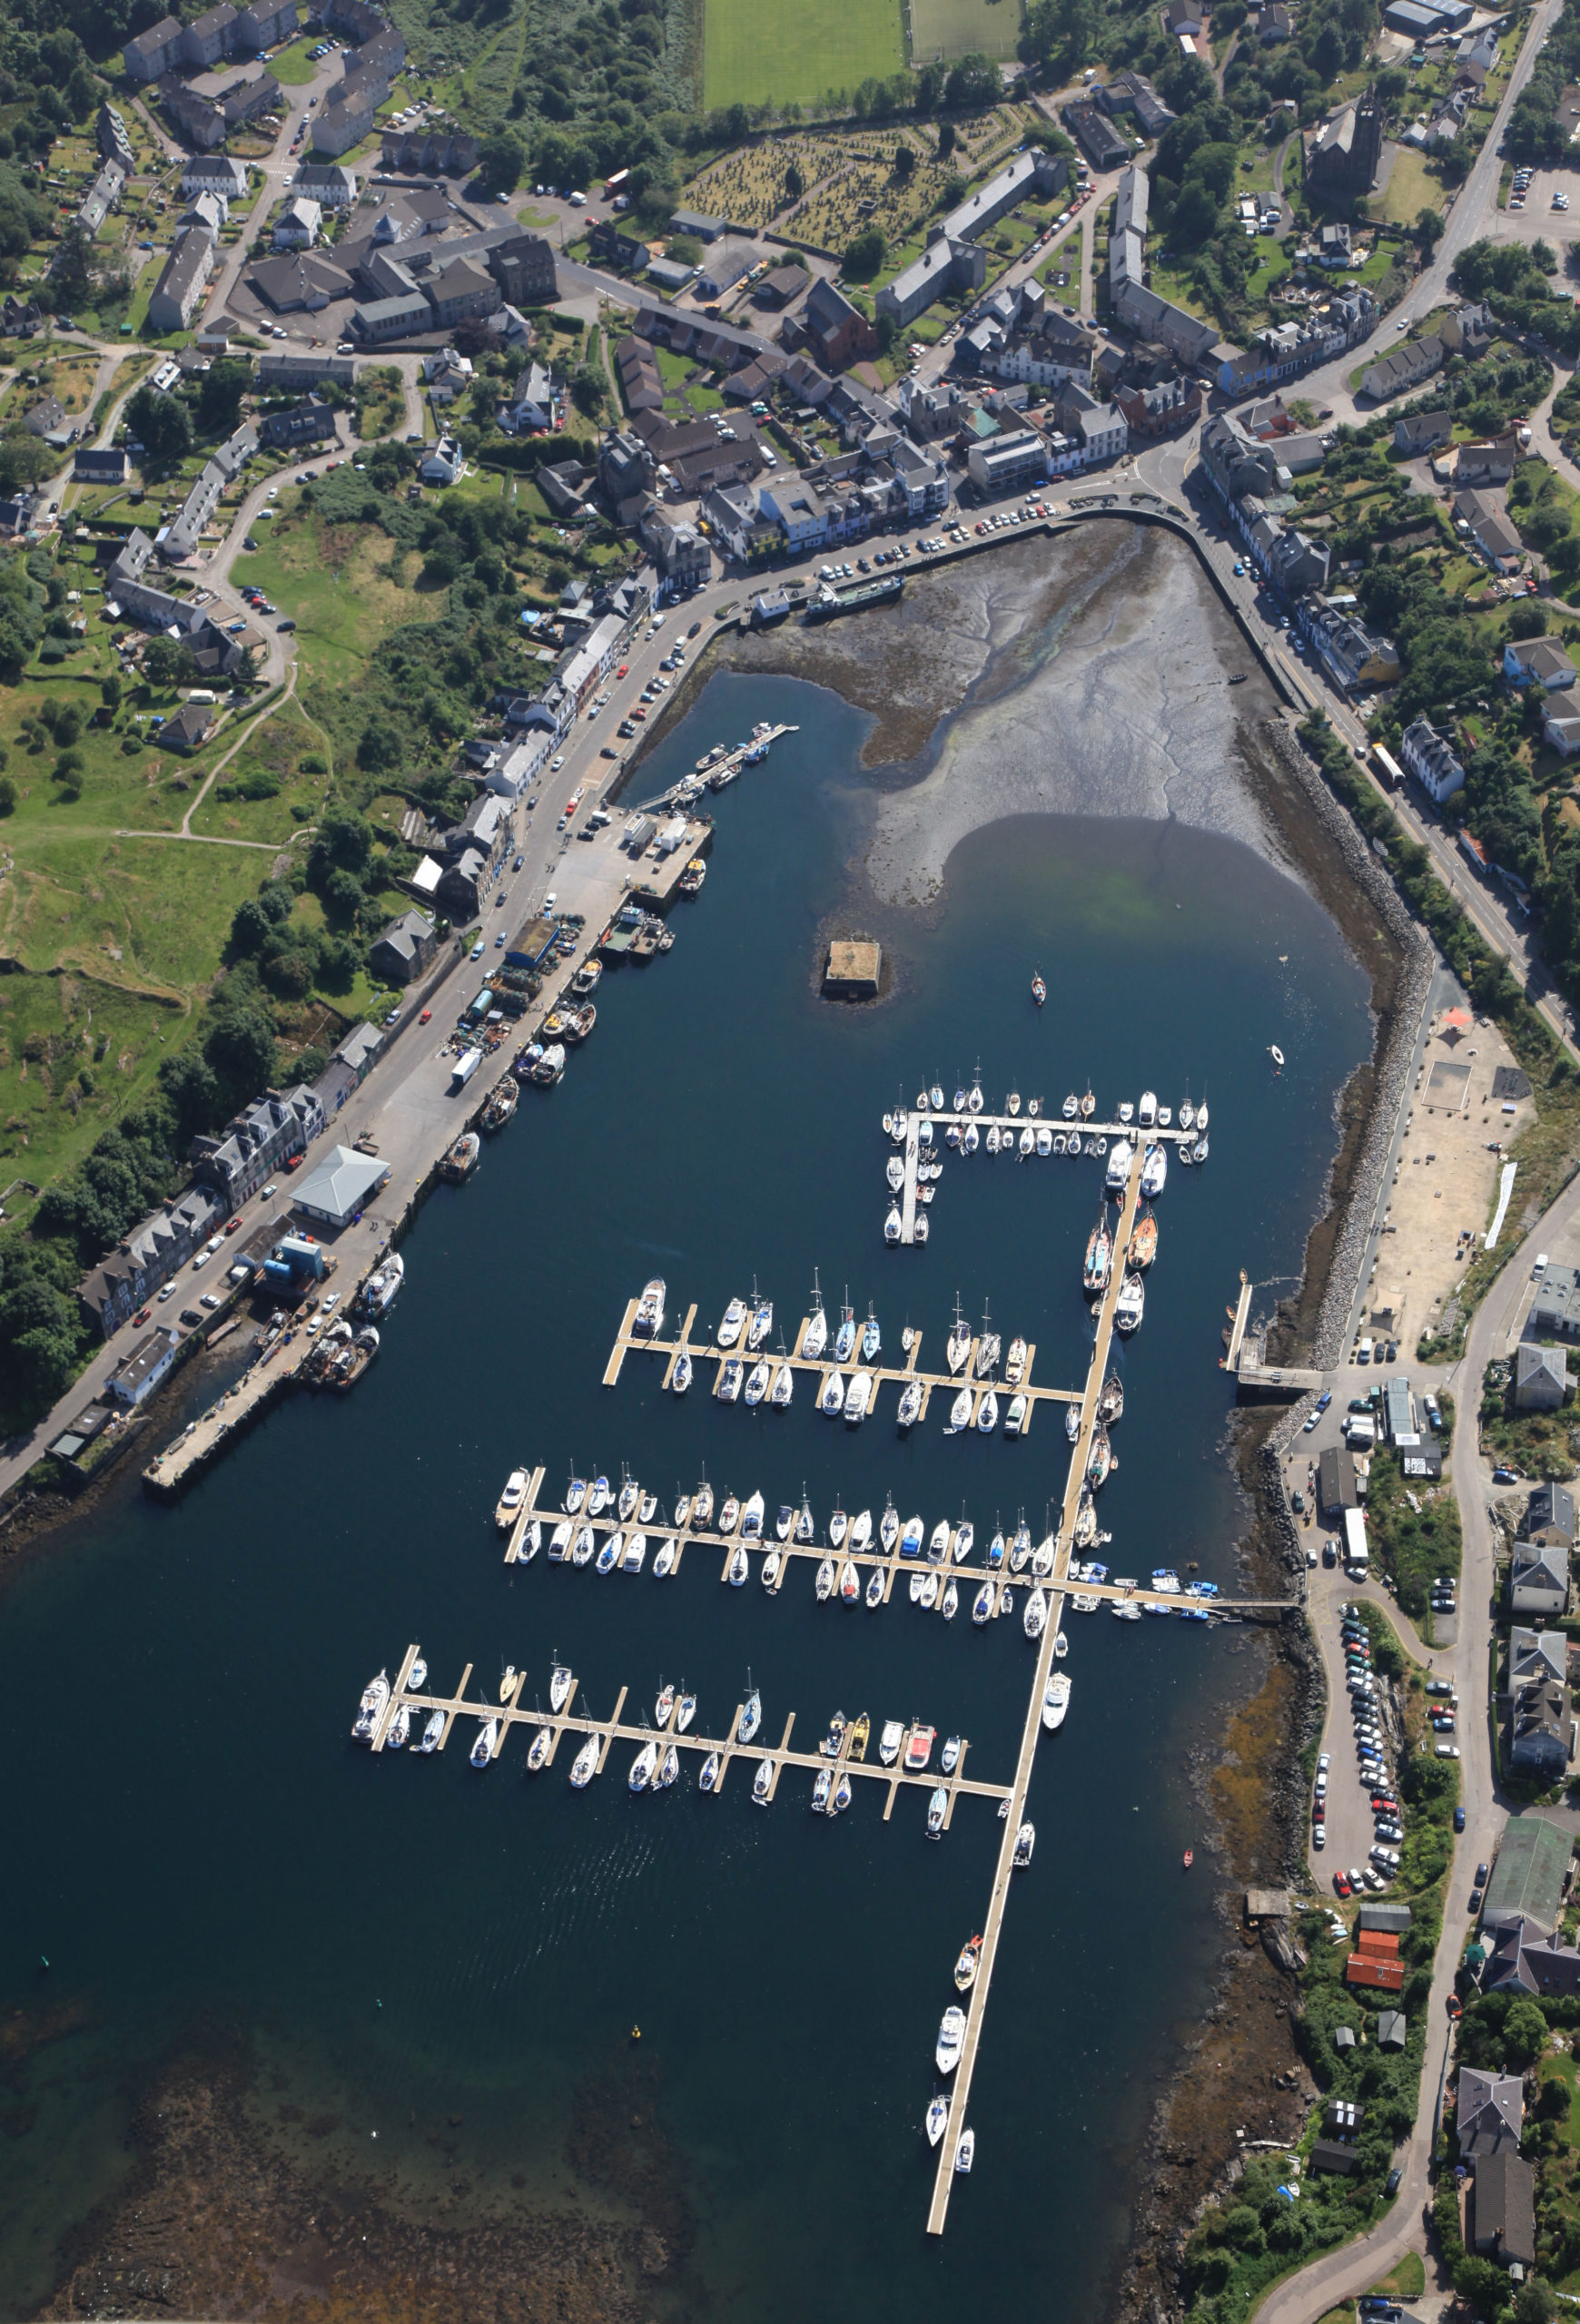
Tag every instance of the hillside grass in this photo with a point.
(755, 58)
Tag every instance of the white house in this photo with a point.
(1538, 1581)
(532, 410)
(797, 511)
(214, 173)
(296, 228)
(1430, 760)
(446, 464)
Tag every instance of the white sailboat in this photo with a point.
(815, 1338)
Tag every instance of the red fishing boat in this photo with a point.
(1187, 1859)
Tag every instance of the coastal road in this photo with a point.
(1342, 2274)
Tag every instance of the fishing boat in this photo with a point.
(1122, 1154)
(1098, 1259)
(680, 1378)
(482, 1750)
(959, 1346)
(734, 1317)
(648, 1320)
(559, 1685)
(461, 1159)
(1035, 1617)
(642, 1767)
(856, 1740)
(1127, 1308)
(889, 1742)
(1038, 990)
(382, 1285)
(1099, 1460)
(965, 2152)
(888, 1528)
(966, 1966)
(937, 1808)
(708, 1779)
(845, 1337)
(585, 1766)
(858, 1398)
(763, 1782)
(508, 1507)
(1111, 1404)
(1025, 1841)
(1143, 1247)
(910, 1405)
(1154, 1170)
(815, 1338)
(1055, 1699)
(959, 1413)
(937, 2115)
(950, 2034)
(875, 1586)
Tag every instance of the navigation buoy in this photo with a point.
(636, 2033)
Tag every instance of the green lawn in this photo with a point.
(292, 65)
(943, 30)
(328, 577)
(798, 53)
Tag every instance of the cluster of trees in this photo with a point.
(1535, 132)
(22, 607)
(289, 958)
(1515, 280)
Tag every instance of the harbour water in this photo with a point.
(456, 1961)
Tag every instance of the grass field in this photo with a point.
(943, 30)
(798, 53)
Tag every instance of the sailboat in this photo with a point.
(958, 1347)
(815, 1338)
(846, 1339)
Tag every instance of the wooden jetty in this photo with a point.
(907, 1140)
(509, 1714)
(1243, 1356)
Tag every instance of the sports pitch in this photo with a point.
(752, 52)
(943, 30)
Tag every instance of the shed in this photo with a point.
(335, 1189)
(533, 943)
(1391, 2030)
(1336, 1485)
(1344, 2037)
(1528, 1880)
(1396, 1917)
(1329, 2154)
(853, 969)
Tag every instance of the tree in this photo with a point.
(219, 400)
(972, 84)
(1525, 2034)
(1430, 225)
(795, 183)
(501, 159)
(905, 164)
(1534, 2302)
(71, 278)
(160, 423)
(238, 1050)
(162, 661)
(865, 255)
(1528, 619)
(1058, 36)
(945, 140)
(684, 249)
(110, 691)
(587, 391)
(8, 795)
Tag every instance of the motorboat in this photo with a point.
(1055, 1699)
(771, 1564)
(1036, 1614)
(1099, 1459)
(1071, 1107)
(992, 1137)
(949, 1758)
(1127, 1314)
(919, 1750)
(950, 2034)
(1111, 1403)
(1088, 1104)
(740, 1567)
(959, 1413)
(858, 1398)
(630, 1494)
(983, 1609)
(708, 1779)
(1038, 988)
(508, 1506)
(584, 1765)
(734, 1317)
(1099, 1261)
(643, 1766)
(1147, 1111)
(488, 1736)
(1044, 1140)
(684, 1712)
(872, 1338)
(937, 2116)
(664, 1709)
(963, 1542)
(889, 1742)
(965, 2152)
(916, 1588)
(751, 1717)
(1015, 1417)
(598, 1496)
(921, 1231)
(560, 1541)
(1127, 1111)
(831, 1400)
(1060, 1646)
(664, 1564)
(1154, 1170)
(833, 1742)
(910, 1405)
(938, 1544)
(815, 1338)
(844, 1339)
(680, 1378)
(910, 1537)
(648, 1320)
(538, 1752)
(727, 1387)
(757, 1385)
(1025, 1841)
(875, 1586)
(1072, 1421)
(560, 1680)
(1165, 1116)
(987, 1414)
(888, 1528)
(432, 1732)
(822, 1785)
(958, 1350)
(608, 1556)
(937, 1808)
(763, 1782)
(966, 1966)
(1013, 1103)
(730, 1514)
(1122, 1154)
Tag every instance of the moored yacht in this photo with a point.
(1122, 1154)
(950, 2034)
(783, 1387)
(751, 1717)
(727, 1387)
(888, 1528)
(740, 1567)
(482, 1750)
(1036, 1613)
(729, 1330)
(858, 1398)
(845, 1337)
(762, 1322)
(831, 1400)
(432, 1732)
(642, 1767)
(375, 1695)
(815, 1338)
(875, 1586)
(959, 1413)
(959, 1346)
(987, 1414)
(1127, 1314)
(648, 1320)
(559, 1685)
(1025, 1841)
(508, 1507)
(1143, 1247)
(824, 1584)
(757, 1385)
(910, 1405)
(763, 1782)
(910, 1537)
(680, 1378)
(937, 1808)
(1154, 1170)
(1099, 1262)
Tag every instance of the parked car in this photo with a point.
(1459, 1819)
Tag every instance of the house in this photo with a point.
(98, 467)
(1405, 369)
(1392, 2029)
(943, 268)
(179, 290)
(1541, 1378)
(1336, 1481)
(1276, 25)
(446, 464)
(782, 288)
(1502, 2218)
(208, 213)
(113, 139)
(337, 1189)
(1489, 2113)
(140, 1372)
(130, 1275)
(533, 410)
(284, 374)
(329, 183)
(1469, 331)
(1561, 730)
(1538, 1581)
(1431, 761)
(267, 1133)
(102, 197)
(1099, 431)
(1537, 661)
(1103, 145)
(1132, 93)
(1333, 2156)
(1422, 431)
(214, 173)
(1355, 657)
(1491, 462)
(432, 152)
(308, 422)
(348, 114)
(189, 729)
(401, 317)
(1333, 244)
(1550, 1514)
(152, 52)
(45, 417)
(1184, 16)
(296, 228)
(1555, 1316)
(837, 332)
(1541, 1733)
(700, 224)
(1008, 462)
(1526, 1958)
(729, 262)
(1341, 161)
(1535, 1655)
(301, 282)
